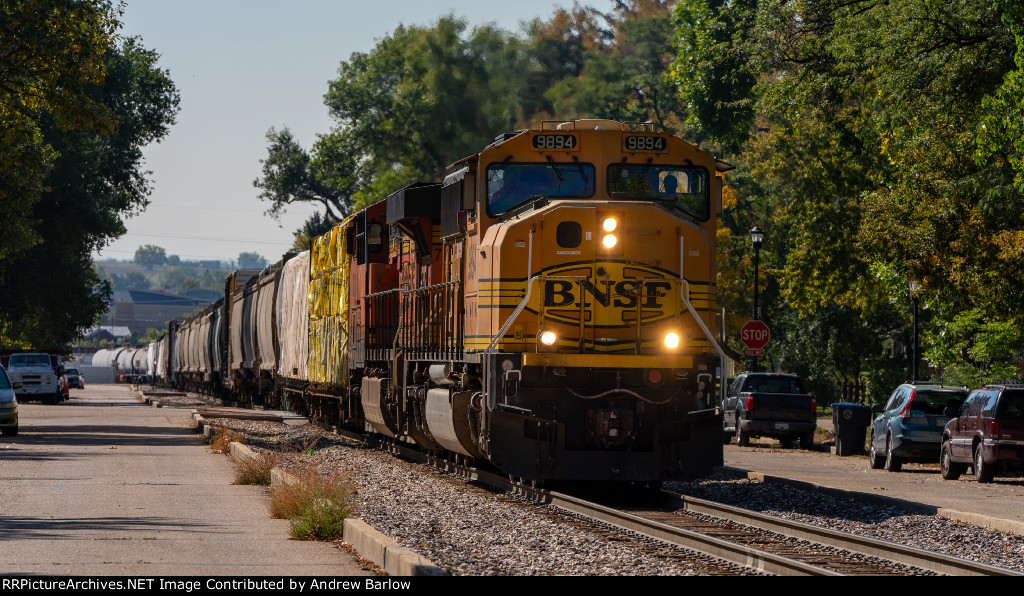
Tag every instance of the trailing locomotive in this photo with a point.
(545, 308)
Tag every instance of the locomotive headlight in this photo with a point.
(610, 224)
(609, 240)
(672, 341)
(548, 338)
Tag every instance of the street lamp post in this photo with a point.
(756, 238)
(913, 285)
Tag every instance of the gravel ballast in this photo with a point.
(469, 530)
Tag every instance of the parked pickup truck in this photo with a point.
(770, 405)
(39, 375)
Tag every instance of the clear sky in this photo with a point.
(242, 67)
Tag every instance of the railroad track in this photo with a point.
(757, 541)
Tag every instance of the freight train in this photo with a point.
(546, 308)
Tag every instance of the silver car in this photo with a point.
(8, 405)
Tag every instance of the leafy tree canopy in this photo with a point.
(887, 133)
(251, 260)
(150, 256)
(51, 56)
(49, 291)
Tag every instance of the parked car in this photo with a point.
(8, 404)
(75, 378)
(986, 433)
(770, 405)
(909, 427)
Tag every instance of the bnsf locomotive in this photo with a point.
(546, 308)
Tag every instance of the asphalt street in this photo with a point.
(982, 504)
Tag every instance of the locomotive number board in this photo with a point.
(644, 143)
(556, 142)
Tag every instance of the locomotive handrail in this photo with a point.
(684, 294)
(414, 332)
(423, 328)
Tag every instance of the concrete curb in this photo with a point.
(983, 521)
(371, 544)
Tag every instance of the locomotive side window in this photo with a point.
(510, 185)
(375, 237)
(687, 186)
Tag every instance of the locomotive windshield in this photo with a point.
(510, 185)
(687, 186)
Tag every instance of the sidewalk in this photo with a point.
(103, 485)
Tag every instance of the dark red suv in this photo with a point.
(987, 434)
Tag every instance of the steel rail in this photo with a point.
(907, 555)
(716, 547)
(722, 549)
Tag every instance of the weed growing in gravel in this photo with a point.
(316, 505)
(221, 438)
(255, 470)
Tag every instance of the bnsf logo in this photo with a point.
(614, 292)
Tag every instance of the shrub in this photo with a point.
(316, 505)
(221, 439)
(255, 470)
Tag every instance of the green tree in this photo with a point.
(251, 260)
(150, 256)
(132, 280)
(291, 174)
(51, 58)
(625, 79)
(886, 132)
(712, 69)
(50, 292)
(316, 225)
(421, 99)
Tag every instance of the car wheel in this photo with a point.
(950, 470)
(982, 472)
(742, 438)
(726, 435)
(807, 441)
(892, 461)
(874, 458)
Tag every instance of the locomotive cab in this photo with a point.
(595, 292)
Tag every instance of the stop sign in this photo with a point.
(754, 335)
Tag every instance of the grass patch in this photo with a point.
(221, 438)
(316, 505)
(255, 470)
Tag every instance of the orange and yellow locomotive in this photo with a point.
(547, 308)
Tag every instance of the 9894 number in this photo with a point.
(644, 143)
(549, 142)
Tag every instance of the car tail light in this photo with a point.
(993, 429)
(814, 405)
(749, 403)
(905, 413)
